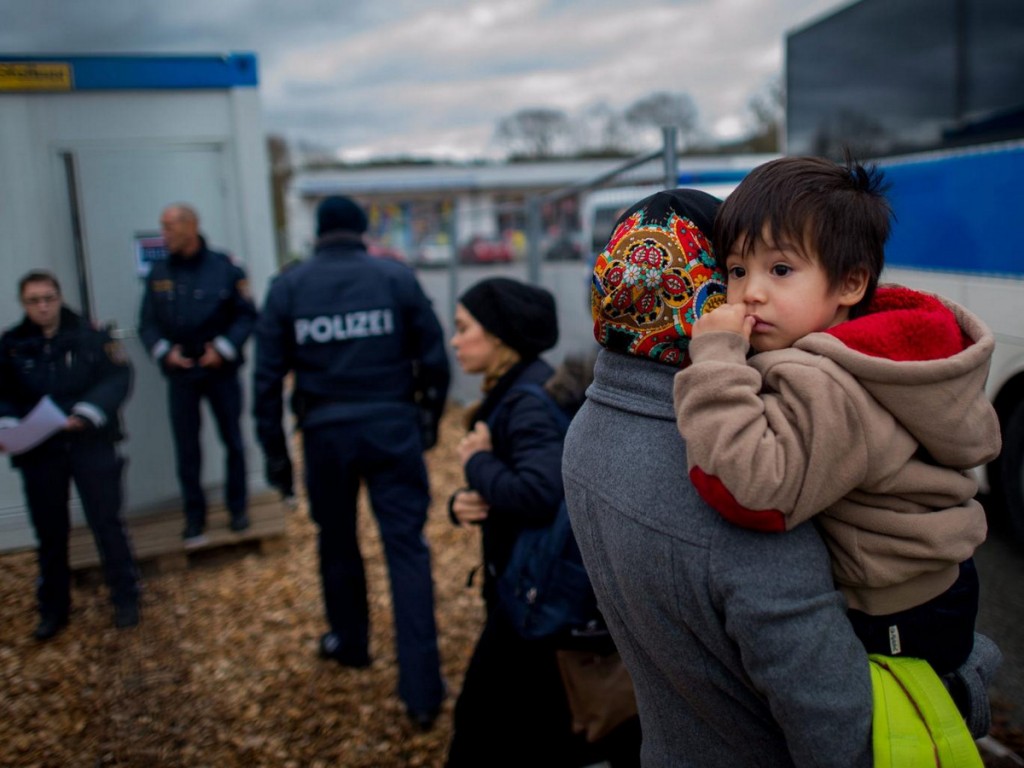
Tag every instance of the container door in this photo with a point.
(121, 192)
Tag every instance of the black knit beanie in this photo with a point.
(521, 315)
(340, 214)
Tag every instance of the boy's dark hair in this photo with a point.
(38, 276)
(837, 211)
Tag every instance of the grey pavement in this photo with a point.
(1000, 562)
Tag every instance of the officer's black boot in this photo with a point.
(193, 535)
(49, 625)
(330, 648)
(126, 615)
(239, 522)
(423, 719)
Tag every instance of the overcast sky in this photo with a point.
(434, 77)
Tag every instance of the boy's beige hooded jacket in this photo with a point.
(873, 424)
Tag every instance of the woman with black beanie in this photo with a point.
(512, 709)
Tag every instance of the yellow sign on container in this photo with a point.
(35, 76)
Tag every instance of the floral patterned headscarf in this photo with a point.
(656, 276)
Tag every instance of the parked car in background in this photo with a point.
(433, 255)
(482, 250)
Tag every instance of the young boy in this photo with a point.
(863, 403)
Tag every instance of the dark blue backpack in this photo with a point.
(544, 590)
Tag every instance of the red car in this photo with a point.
(480, 250)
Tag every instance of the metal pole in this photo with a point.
(78, 236)
(453, 260)
(533, 235)
(668, 133)
(597, 181)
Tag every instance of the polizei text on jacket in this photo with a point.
(351, 325)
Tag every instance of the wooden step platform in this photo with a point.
(156, 536)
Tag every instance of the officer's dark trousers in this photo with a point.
(95, 467)
(223, 391)
(388, 454)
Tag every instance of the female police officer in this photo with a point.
(55, 352)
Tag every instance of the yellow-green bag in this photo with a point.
(916, 723)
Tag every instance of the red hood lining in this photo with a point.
(904, 325)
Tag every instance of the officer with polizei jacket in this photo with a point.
(196, 316)
(54, 352)
(371, 379)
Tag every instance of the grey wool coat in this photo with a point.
(737, 642)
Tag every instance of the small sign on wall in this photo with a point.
(149, 248)
(35, 76)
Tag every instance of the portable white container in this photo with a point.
(92, 148)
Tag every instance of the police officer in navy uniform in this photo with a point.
(196, 316)
(371, 378)
(54, 352)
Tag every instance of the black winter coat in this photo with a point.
(79, 366)
(521, 477)
(192, 301)
(360, 335)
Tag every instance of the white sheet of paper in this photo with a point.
(41, 422)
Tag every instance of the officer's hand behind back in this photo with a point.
(428, 429)
(278, 471)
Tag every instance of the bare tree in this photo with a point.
(662, 109)
(535, 134)
(280, 175)
(310, 155)
(601, 130)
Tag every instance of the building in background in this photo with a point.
(92, 149)
(417, 212)
(874, 78)
(426, 214)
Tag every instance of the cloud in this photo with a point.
(395, 76)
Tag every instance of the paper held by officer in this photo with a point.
(18, 436)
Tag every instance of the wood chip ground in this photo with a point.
(223, 670)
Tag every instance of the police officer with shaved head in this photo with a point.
(370, 381)
(195, 318)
